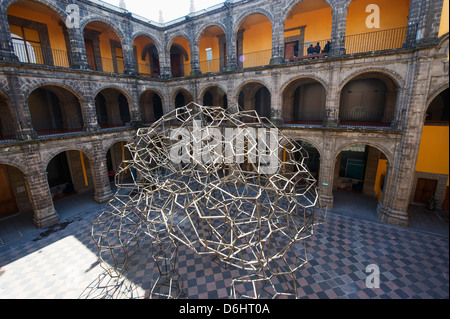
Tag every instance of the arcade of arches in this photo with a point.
(70, 99)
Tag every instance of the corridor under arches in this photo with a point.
(359, 177)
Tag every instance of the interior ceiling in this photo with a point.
(308, 5)
(213, 31)
(36, 7)
(253, 19)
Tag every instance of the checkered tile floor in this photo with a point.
(64, 264)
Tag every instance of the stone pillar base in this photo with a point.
(103, 198)
(276, 60)
(92, 127)
(392, 217)
(277, 121)
(327, 201)
(330, 123)
(50, 219)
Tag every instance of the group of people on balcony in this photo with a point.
(316, 49)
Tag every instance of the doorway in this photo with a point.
(425, 189)
(8, 203)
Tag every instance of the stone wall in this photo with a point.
(419, 71)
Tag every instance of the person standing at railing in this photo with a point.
(310, 49)
(317, 48)
(327, 47)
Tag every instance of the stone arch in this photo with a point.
(207, 86)
(292, 3)
(96, 18)
(304, 100)
(379, 107)
(250, 12)
(182, 90)
(149, 111)
(176, 35)
(158, 45)
(156, 90)
(62, 85)
(22, 167)
(115, 87)
(51, 5)
(314, 77)
(250, 81)
(47, 157)
(112, 142)
(306, 139)
(436, 92)
(204, 27)
(395, 77)
(388, 153)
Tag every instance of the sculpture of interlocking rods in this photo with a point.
(223, 183)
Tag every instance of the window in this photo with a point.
(27, 44)
(119, 60)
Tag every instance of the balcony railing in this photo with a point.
(252, 59)
(7, 130)
(210, 66)
(97, 63)
(308, 118)
(52, 127)
(366, 118)
(375, 41)
(304, 50)
(37, 54)
(144, 69)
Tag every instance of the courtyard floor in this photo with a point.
(61, 262)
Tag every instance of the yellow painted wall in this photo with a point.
(213, 43)
(55, 33)
(434, 150)
(105, 47)
(318, 24)
(443, 27)
(393, 14)
(381, 171)
(185, 44)
(209, 42)
(54, 30)
(257, 45)
(143, 65)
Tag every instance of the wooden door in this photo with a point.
(176, 65)
(8, 204)
(289, 49)
(90, 54)
(425, 189)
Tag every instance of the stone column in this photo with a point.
(326, 174)
(332, 104)
(6, 47)
(393, 208)
(164, 59)
(21, 112)
(239, 49)
(230, 41)
(423, 22)
(78, 49)
(99, 171)
(39, 190)
(338, 26)
(276, 104)
(277, 36)
(222, 55)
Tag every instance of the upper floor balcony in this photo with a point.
(39, 36)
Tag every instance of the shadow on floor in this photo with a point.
(21, 227)
(362, 206)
